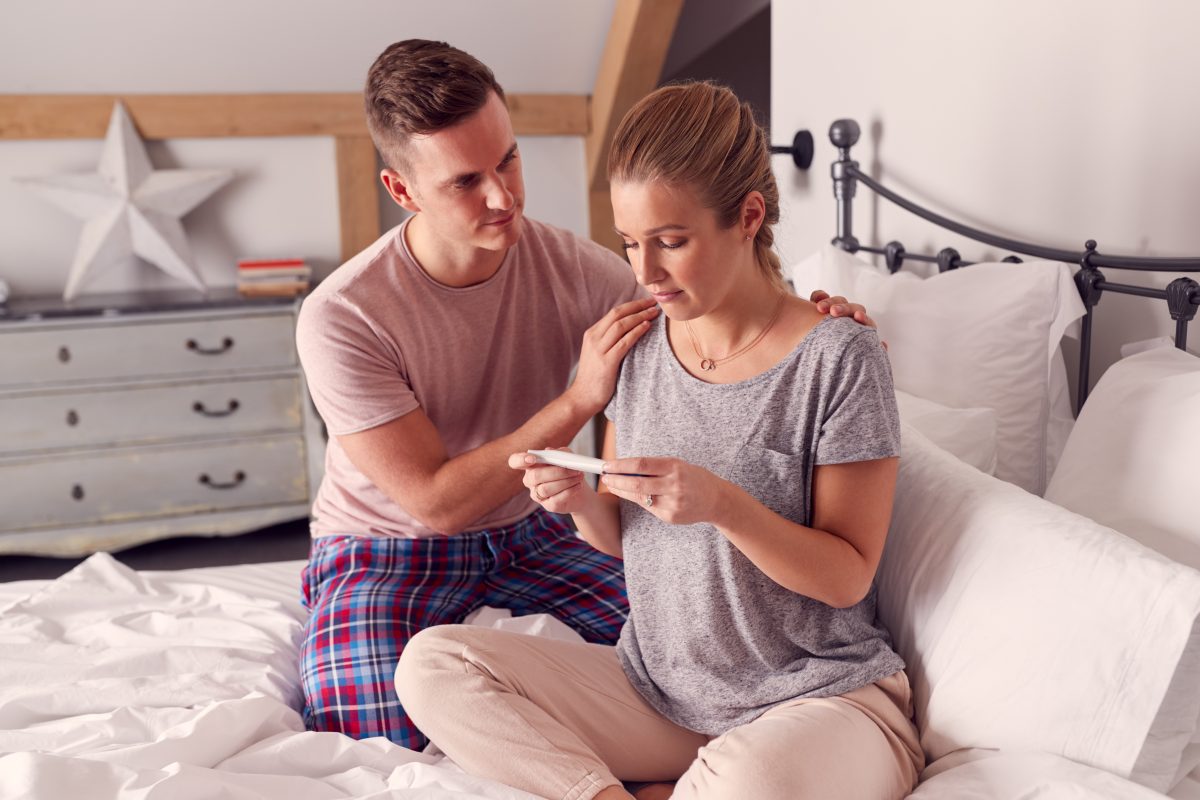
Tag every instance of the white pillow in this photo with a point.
(985, 336)
(968, 433)
(1133, 460)
(1025, 626)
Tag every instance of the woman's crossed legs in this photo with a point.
(560, 720)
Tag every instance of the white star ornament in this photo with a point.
(130, 208)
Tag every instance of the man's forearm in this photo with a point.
(473, 483)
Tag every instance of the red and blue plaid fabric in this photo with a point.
(368, 596)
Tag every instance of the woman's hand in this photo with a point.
(604, 347)
(556, 489)
(671, 489)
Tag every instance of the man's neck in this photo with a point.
(450, 265)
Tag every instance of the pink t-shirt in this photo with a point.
(379, 338)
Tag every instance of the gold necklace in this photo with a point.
(710, 364)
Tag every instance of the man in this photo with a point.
(432, 355)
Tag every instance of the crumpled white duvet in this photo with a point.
(115, 683)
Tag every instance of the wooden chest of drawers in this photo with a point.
(132, 418)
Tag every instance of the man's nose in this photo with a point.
(499, 198)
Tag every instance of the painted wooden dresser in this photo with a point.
(128, 418)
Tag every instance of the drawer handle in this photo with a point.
(64, 354)
(238, 478)
(72, 418)
(77, 492)
(226, 345)
(199, 408)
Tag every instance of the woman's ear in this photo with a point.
(399, 190)
(753, 212)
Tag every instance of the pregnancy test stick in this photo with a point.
(577, 462)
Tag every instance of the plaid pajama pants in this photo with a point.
(368, 596)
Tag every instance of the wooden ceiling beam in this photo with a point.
(634, 52)
(185, 116)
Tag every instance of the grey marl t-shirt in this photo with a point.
(712, 642)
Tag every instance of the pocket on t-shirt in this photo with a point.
(777, 480)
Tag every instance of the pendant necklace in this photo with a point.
(710, 364)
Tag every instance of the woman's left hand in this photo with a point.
(671, 489)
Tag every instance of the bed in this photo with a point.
(1053, 649)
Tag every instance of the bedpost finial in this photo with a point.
(844, 133)
(1089, 250)
(893, 256)
(947, 259)
(1183, 295)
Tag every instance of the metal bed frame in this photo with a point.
(1182, 294)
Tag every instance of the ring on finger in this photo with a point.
(649, 500)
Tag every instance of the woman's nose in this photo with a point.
(644, 268)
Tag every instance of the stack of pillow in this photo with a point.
(981, 343)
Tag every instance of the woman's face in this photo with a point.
(676, 247)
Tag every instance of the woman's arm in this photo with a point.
(599, 522)
(564, 491)
(833, 561)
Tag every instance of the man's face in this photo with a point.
(466, 180)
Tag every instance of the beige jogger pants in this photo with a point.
(560, 720)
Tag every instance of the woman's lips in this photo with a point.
(666, 297)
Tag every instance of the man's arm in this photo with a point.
(407, 459)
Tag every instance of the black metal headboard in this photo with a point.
(1182, 294)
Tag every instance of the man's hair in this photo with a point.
(419, 86)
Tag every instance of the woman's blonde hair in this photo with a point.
(698, 134)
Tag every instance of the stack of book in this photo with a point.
(278, 277)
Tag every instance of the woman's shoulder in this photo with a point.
(841, 337)
(645, 350)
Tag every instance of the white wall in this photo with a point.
(1049, 122)
(283, 199)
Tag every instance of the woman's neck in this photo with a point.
(740, 317)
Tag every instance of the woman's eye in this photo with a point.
(628, 246)
(672, 245)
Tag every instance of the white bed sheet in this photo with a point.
(184, 685)
(172, 685)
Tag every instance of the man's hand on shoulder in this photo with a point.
(841, 307)
(604, 347)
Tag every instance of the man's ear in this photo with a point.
(399, 189)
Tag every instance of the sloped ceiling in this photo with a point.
(174, 46)
(702, 24)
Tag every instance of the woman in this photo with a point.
(751, 508)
